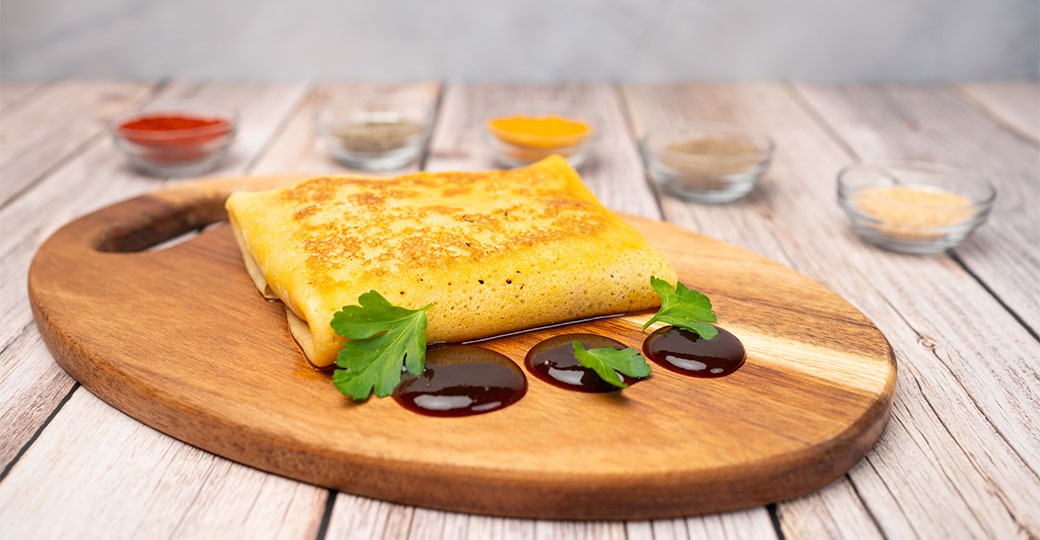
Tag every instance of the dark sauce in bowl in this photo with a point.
(687, 353)
(553, 361)
(462, 380)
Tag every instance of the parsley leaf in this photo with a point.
(684, 308)
(606, 362)
(381, 336)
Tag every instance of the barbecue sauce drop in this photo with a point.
(687, 353)
(553, 361)
(462, 380)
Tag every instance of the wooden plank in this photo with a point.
(13, 92)
(31, 386)
(360, 517)
(433, 525)
(1016, 105)
(935, 125)
(831, 512)
(113, 477)
(960, 456)
(99, 176)
(613, 172)
(56, 124)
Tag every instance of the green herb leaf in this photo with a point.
(682, 307)
(607, 362)
(381, 336)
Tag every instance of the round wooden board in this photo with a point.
(179, 339)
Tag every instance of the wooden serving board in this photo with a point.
(180, 339)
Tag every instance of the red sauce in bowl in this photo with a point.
(175, 138)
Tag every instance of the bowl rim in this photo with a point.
(848, 193)
(186, 109)
(653, 148)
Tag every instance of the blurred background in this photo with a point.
(533, 40)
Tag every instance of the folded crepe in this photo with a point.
(493, 251)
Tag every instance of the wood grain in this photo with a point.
(936, 125)
(927, 475)
(123, 482)
(251, 397)
(1013, 104)
(56, 124)
(99, 176)
(12, 93)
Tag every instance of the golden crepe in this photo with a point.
(493, 251)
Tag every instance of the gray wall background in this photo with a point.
(536, 40)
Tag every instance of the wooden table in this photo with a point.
(960, 457)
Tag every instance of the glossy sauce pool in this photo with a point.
(553, 361)
(687, 353)
(462, 380)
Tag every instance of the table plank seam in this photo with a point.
(816, 115)
(188, 507)
(326, 516)
(971, 508)
(279, 128)
(964, 451)
(1014, 314)
(38, 432)
(869, 461)
(989, 113)
(90, 142)
(408, 528)
(80, 149)
(927, 343)
(626, 114)
(29, 96)
(424, 155)
(870, 512)
(774, 518)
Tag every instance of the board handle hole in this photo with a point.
(150, 223)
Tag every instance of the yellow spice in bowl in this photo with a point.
(913, 212)
(539, 131)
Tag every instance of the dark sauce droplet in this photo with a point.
(553, 361)
(685, 352)
(461, 380)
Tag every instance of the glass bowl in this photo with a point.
(176, 139)
(707, 164)
(517, 148)
(374, 133)
(914, 207)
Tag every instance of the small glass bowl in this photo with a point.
(178, 152)
(518, 150)
(914, 207)
(709, 164)
(374, 133)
